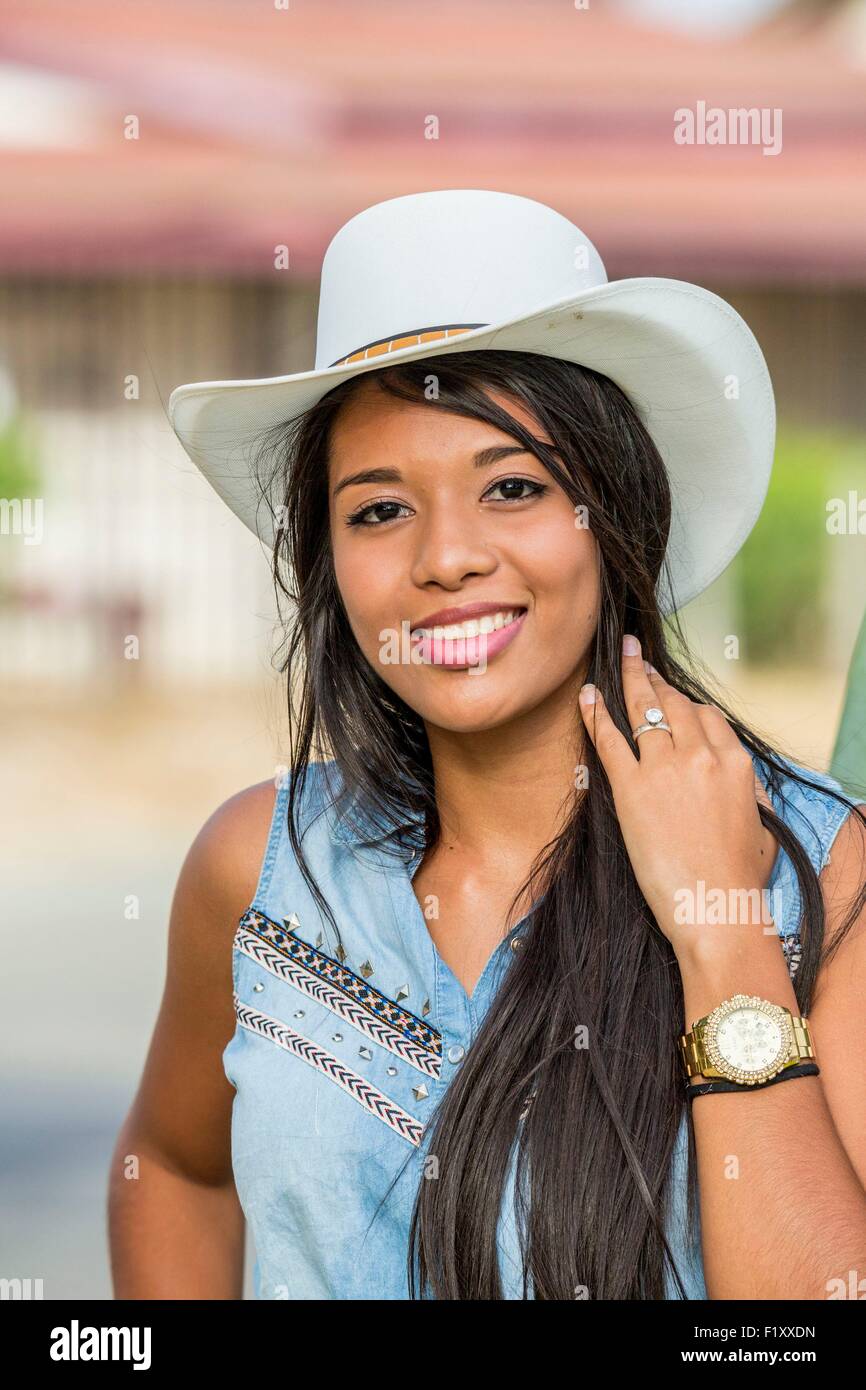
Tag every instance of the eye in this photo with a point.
(376, 513)
(513, 489)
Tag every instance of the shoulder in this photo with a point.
(844, 877)
(223, 862)
(836, 1010)
(239, 825)
(233, 856)
(814, 805)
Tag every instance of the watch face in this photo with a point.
(748, 1039)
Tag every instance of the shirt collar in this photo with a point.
(354, 822)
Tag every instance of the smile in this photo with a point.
(470, 642)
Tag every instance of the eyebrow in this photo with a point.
(483, 459)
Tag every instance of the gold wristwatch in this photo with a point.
(746, 1039)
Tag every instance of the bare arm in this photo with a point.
(176, 1228)
(783, 1174)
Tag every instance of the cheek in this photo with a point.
(560, 565)
(366, 590)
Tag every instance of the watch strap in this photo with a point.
(793, 1069)
(696, 1062)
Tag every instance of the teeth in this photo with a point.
(455, 632)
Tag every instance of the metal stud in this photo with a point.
(291, 921)
(425, 1008)
(402, 993)
(258, 988)
(365, 1053)
(319, 940)
(338, 1037)
(392, 1071)
(366, 969)
(420, 1092)
(299, 1013)
(340, 953)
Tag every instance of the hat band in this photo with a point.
(421, 335)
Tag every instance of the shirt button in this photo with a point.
(456, 1053)
(516, 943)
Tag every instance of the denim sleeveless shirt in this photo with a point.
(342, 1050)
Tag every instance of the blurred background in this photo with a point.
(153, 161)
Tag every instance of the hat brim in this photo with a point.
(687, 360)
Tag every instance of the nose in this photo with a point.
(450, 548)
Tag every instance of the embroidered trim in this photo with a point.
(333, 973)
(358, 1015)
(372, 1099)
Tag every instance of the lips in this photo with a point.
(469, 626)
(472, 639)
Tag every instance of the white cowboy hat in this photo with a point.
(467, 268)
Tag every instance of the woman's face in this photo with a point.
(469, 580)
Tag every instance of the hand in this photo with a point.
(687, 808)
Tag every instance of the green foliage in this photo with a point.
(19, 474)
(19, 477)
(781, 571)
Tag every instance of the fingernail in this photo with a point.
(587, 694)
(630, 645)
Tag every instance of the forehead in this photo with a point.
(373, 418)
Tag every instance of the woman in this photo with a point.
(469, 926)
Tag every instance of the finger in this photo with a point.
(612, 747)
(640, 696)
(679, 711)
(719, 733)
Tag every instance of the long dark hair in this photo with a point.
(594, 1146)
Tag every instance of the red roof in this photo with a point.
(261, 127)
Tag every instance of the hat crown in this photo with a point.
(453, 257)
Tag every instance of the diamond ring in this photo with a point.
(655, 719)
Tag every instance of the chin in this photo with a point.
(465, 711)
